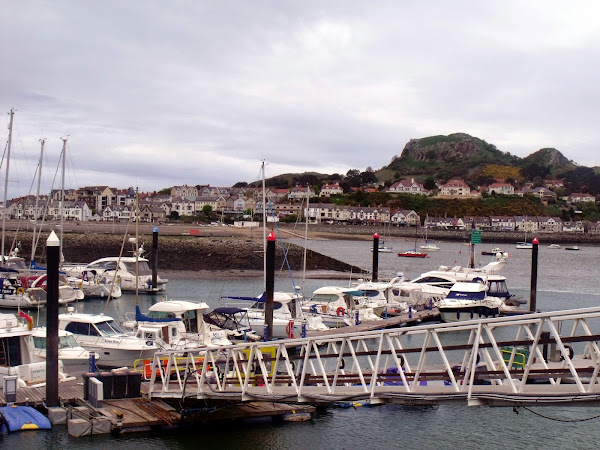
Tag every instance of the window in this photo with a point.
(39, 342)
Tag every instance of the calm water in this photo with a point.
(567, 279)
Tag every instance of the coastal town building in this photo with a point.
(581, 198)
(455, 188)
(331, 189)
(407, 187)
(501, 188)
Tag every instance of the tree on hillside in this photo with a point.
(368, 177)
(165, 191)
(429, 183)
(207, 209)
(240, 184)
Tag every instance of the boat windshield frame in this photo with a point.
(108, 328)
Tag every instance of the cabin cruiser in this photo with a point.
(101, 334)
(445, 277)
(14, 295)
(377, 295)
(285, 324)
(468, 301)
(337, 306)
(125, 268)
(177, 325)
(95, 286)
(72, 355)
(16, 355)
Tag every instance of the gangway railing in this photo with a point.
(541, 358)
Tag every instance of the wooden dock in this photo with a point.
(391, 322)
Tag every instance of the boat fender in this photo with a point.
(20, 290)
(290, 329)
(342, 364)
(340, 311)
(571, 352)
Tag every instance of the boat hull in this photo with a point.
(458, 314)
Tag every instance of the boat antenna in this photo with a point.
(10, 127)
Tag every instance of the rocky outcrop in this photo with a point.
(441, 148)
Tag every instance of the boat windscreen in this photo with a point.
(108, 328)
(67, 342)
(143, 268)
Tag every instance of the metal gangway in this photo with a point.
(535, 359)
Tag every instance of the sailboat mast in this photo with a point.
(62, 195)
(264, 201)
(137, 253)
(305, 238)
(37, 201)
(10, 126)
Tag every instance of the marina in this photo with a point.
(187, 290)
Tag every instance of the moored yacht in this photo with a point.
(16, 356)
(101, 334)
(337, 306)
(468, 301)
(178, 325)
(72, 355)
(126, 271)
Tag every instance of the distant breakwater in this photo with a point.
(189, 253)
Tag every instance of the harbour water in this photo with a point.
(566, 280)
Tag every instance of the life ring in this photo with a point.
(340, 311)
(20, 290)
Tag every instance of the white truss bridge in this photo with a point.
(535, 359)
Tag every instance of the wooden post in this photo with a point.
(155, 258)
(534, 269)
(270, 284)
(53, 261)
(375, 256)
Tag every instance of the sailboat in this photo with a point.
(429, 246)
(524, 245)
(413, 253)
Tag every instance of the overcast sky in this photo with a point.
(161, 93)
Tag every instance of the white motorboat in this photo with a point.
(524, 246)
(94, 286)
(14, 295)
(446, 277)
(337, 306)
(382, 248)
(16, 356)
(468, 301)
(101, 334)
(125, 268)
(554, 246)
(429, 247)
(72, 355)
(493, 251)
(178, 325)
(285, 324)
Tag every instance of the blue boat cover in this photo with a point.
(19, 418)
(253, 299)
(139, 317)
